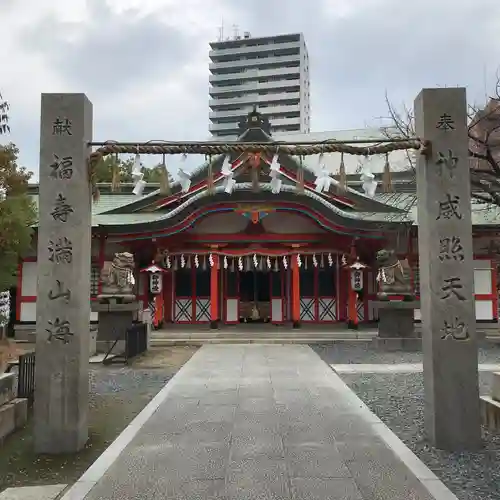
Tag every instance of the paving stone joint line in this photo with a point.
(257, 421)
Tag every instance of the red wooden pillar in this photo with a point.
(158, 319)
(494, 287)
(214, 292)
(19, 289)
(295, 291)
(145, 292)
(352, 316)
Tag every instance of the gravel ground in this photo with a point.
(105, 381)
(398, 400)
(117, 395)
(363, 353)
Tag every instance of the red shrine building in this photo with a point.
(236, 243)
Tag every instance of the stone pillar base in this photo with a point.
(397, 344)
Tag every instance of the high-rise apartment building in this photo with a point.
(270, 72)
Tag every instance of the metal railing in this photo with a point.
(25, 376)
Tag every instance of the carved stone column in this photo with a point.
(63, 268)
(452, 414)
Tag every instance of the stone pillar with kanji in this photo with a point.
(452, 414)
(63, 268)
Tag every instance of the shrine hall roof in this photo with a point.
(482, 214)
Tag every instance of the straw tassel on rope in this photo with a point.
(342, 173)
(91, 172)
(386, 177)
(96, 194)
(300, 177)
(255, 164)
(115, 174)
(210, 176)
(165, 187)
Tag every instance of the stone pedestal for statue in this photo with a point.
(396, 325)
(490, 405)
(114, 317)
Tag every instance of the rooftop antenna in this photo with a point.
(236, 31)
(221, 31)
(485, 83)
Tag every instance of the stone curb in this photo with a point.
(429, 480)
(96, 471)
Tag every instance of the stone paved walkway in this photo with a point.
(258, 422)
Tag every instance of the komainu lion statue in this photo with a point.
(393, 276)
(117, 277)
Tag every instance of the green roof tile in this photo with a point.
(482, 214)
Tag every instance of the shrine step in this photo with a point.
(163, 340)
(243, 333)
(200, 342)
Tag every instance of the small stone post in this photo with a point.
(452, 415)
(63, 294)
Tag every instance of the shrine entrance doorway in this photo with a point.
(254, 296)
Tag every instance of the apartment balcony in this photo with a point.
(224, 127)
(269, 110)
(256, 49)
(275, 61)
(256, 98)
(255, 87)
(254, 74)
(284, 122)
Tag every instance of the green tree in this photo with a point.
(109, 165)
(17, 211)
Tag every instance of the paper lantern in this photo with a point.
(357, 279)
(155, 283)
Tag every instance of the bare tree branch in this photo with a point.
(484, 143)
(404, 124)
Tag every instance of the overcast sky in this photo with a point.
(144, 63)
